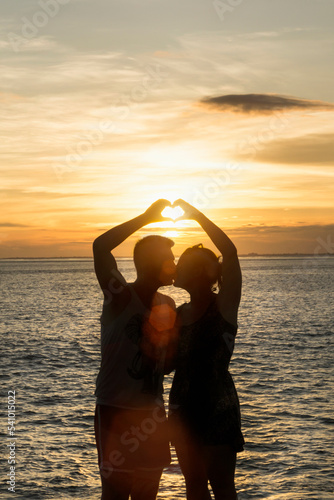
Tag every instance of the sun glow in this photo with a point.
(174, 157)
(171, 234)
(172, 212)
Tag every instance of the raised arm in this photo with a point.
(104, 262)
(230, 294)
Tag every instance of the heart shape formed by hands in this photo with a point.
(174, 212)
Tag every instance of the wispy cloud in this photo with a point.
(313, 239)
(261, 103)
(311, 149)
(253, 229)
(107, 97)
(11, 224)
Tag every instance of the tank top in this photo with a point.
(130, 377)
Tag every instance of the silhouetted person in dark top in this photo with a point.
(137, 323)
(204, 406)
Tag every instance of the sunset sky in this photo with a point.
(108, 105)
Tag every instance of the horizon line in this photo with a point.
(251, 254)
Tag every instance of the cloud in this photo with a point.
(313, 229)
(261, 103)
(10, 224)
(312, 239)
(311, 149)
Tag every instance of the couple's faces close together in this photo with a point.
(180, 274)
(155, 260)
(194, 269)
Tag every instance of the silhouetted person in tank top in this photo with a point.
(204, 406)
(137, 328)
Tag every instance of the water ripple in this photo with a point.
(281, 367)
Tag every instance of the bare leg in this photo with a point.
(145, 485)
(191, 460)
(115, 487)
(220, 461)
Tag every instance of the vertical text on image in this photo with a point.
(11, 445)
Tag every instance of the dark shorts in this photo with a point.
(130, 440)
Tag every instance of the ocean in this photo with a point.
(282, 368)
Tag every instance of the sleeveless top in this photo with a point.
(131, 375)
(203, 393)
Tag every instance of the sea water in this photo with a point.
(282, 368)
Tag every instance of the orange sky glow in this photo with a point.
(234, 115)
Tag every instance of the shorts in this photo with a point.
(128, 440)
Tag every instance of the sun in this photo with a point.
(174, 156)
(171, 234)
(174, 213)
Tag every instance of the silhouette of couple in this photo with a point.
(143, 337)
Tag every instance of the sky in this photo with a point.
(109, 105)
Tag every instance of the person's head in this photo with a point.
(154, 259)
(198, 267)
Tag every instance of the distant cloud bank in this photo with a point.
(261, 103)
(10, 224)
(312, 149)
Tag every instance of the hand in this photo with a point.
(190, 212)
(153, 213)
